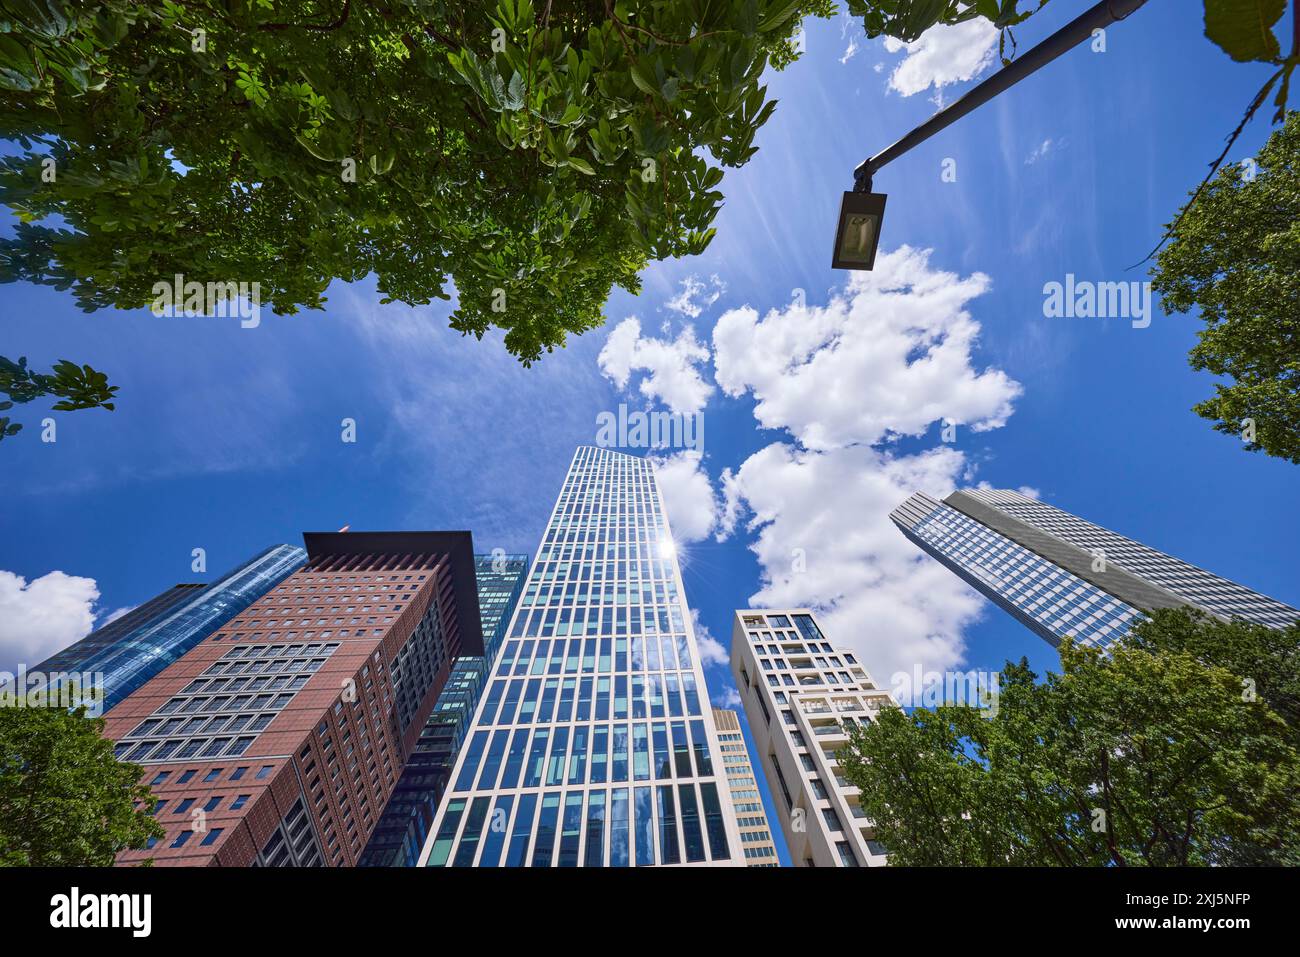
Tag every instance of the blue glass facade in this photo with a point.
(1043, 596)
(111, 634)
(1063, 576)
(129, 656)
(593, 744)
(404, 825)
(1186, 582)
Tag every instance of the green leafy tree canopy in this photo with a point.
(65, 800)
(1235, 256)
(1158, 754)
(535, 155)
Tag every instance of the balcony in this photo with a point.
(829, 730)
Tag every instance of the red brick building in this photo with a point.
(278, 739)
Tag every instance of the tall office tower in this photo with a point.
(593, 744)
(755, 833)
(400, 834)
(1060, 575)
(800, 694)
(277, 740)
(136, 647)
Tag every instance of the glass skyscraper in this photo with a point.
(400, 834)
(113, 633)
(594, 744)
(138, 646)
(1060, 575)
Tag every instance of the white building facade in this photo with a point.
(800, 694)
(593, 744)
(755, 832)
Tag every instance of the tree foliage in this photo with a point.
(531, 153)
(534, 156)
(65, 800)
(1158, 754)
(78, 387)
(1235, 256)
(906, 20)
(1243, 29)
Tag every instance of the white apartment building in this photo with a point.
(755, 832)
(799, 692)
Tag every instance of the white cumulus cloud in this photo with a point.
(727, 697)
(689, 498)
(943, 55)
(888, 356)
(42, 616)
(824, 540)
(712, 651)
(670, 368)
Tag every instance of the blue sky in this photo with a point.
(818, 418)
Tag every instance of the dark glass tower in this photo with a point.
(1060, 575)
(402, 828)
(139, 645)
(119, 629)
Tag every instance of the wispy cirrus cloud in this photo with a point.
(695, 295)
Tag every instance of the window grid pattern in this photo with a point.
(403, 827)
(129, 660)
(1196, 585)
(1047, 598)
(220, 713)
(800, 695)
(592, 744)
(755, 833)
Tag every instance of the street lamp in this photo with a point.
(861, 211)
(858, 234)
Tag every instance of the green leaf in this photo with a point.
(777, 17)
(1243, 29)
(643, 82)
